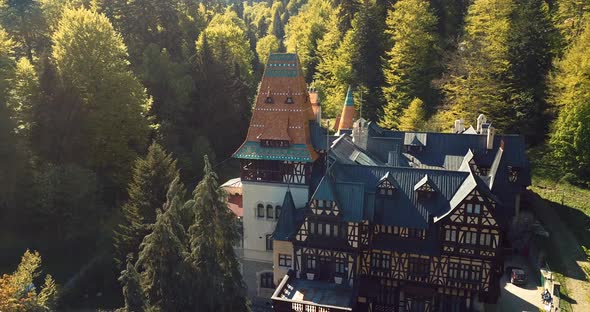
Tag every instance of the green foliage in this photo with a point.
(365, 44)
(304, 31)
(334, 68)
(161, 266)
(90, 59)
(24, 95)
(411, 63)
(532, 40)
(132, 292)
(571, 18)
(266, 45)
(66, 202)
(147, 190)
(24, 21)
(212, 237)
(478, 78)
(413, 117)
(570, 137)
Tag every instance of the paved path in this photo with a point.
(517, 298)
(571, 254)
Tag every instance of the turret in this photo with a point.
(348, 113)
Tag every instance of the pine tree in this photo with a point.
(571, 18)
(413, 117)
(570, 88)
(532, 42)
(152, 177)
(25, 22)
(366, 45)
(132, 292)
(411, 63)
(161, 266)
(24, 95)
(479, 77)
(218, 281)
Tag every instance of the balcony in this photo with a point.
(300, 295)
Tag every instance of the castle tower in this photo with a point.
(276, 156)
(348, 113)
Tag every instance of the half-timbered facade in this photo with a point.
(371, 219)
(408, 233)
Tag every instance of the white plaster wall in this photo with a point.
(256, 229)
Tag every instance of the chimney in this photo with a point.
(459, 126)
(393, 156)
(481, 119)
(490, 137)
(314, 98)
(360, 129)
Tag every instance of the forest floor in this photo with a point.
(564, 209)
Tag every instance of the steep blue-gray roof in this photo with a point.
(403, 208)
(289, 219)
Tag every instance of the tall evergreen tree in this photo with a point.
(366, 45)
(152, 177)
(24, 96)
(411, 63)
(479, 74)
(160, 263)
(571, 18)
(217, 282)
(570, 88)
(132, 292)
(413, 117)
(25, 22)
(532, 42)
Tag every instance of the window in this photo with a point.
(285, 260)
(274, 143)
(419, 267)
(450, 235)
(380, 261)
(289, 100)
(386, 188)
(268, 100)
(513, 174)
(268, 241)
(340, 265)
(260, 211)
(416, 233)
(473, 208)
(310, 262)
(269, 212)
(464, 272)
(470, 237)
(485, 239)
(278, 211)
(326, 229)
(266, 280)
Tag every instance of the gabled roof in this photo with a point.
(289, 219)
(423, 182)
(387, 177)
(415, 139)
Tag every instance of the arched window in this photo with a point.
(269, 212)
(278, 211)
(260, 211)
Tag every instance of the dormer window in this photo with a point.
(268, 100)
(513, 174)
(289, 100)
(424, 188)
(385, 188)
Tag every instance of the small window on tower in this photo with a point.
(289, 100)
(268, 100)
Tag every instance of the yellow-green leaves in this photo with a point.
(265, 46)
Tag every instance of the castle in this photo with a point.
(371, 219)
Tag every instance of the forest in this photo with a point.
(113, 111)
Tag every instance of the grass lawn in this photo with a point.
(571, 202)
